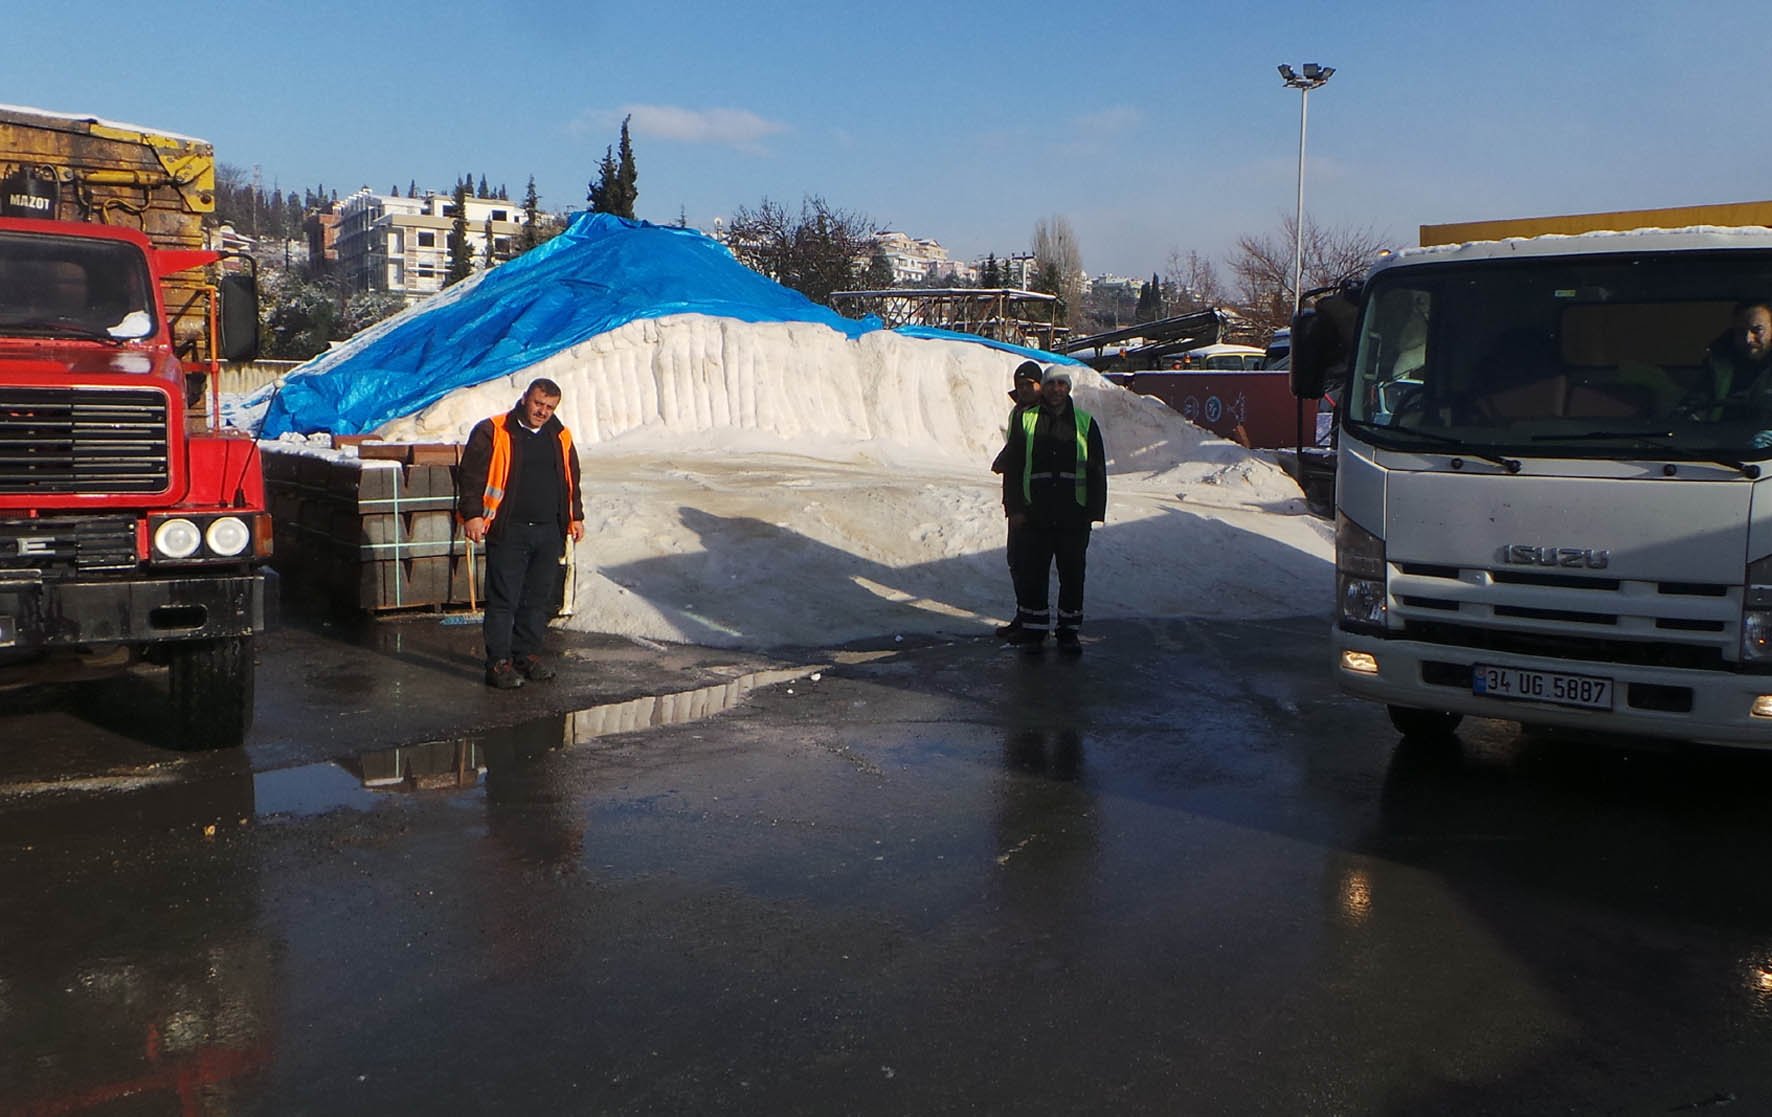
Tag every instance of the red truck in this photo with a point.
(133, 529)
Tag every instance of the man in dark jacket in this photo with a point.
(1054, 488)
(1025, 393)
(518, 492)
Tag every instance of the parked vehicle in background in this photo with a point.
(1278, 354)
(1546, 509)
(1221, 357)
(131, 528)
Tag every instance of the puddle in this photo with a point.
(460, 763)
(310, 790)
(656, 711)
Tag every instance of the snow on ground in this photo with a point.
(764, 485)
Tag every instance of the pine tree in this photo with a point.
(531, 214)
(992, 276)
(481, 193)
(613, 190)
(412, 188)
(461, 253)
(395, 190)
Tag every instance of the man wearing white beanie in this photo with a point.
(1054, 488)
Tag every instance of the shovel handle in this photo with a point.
(473, 604)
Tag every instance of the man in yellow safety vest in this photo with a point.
(1054, 488)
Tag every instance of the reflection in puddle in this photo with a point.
(654, 711)
(315, 789)
(435, 765)
(459, 763)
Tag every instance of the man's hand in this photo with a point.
(576, 529)
(475, 529)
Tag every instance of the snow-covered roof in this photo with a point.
(1691, 238)
(88, 118)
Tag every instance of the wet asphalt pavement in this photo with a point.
(1179, 875)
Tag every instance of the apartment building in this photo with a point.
(398, 244)
(918, 260)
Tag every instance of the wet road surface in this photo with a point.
(1182, 874)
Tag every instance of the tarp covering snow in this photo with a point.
(599, 274)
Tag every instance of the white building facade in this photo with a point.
(388, 243)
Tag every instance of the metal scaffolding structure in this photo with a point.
(999, 313)
(1147, 344)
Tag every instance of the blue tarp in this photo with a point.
(601, 273)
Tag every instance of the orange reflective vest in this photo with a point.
(499, 469)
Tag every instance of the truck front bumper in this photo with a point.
(1437, 677)
(40, 615)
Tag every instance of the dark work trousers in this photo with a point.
(1040, 545)
(1011, 548)
(522, 587)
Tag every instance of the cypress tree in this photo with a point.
(531, 213)
(461, 253)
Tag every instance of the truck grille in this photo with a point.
(68, 544)
(1595, 620)
(83, 440)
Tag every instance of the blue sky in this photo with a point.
(1149, 126)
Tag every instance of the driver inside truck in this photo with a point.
(1738, 366)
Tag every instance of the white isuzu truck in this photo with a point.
(1554, 482)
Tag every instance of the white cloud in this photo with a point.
(735, 128)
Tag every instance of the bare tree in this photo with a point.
(815, 253)
(1262, 264)
(1191, 282)
(1058, 262)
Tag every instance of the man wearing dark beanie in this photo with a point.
(1024, 393)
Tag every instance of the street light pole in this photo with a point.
(1312, 78)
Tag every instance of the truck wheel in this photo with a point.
(212, 692)
(1425, 725)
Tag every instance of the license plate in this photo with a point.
(1586, 691)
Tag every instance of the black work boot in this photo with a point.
(1010, 630)
(534, 668)
(1068, 644)
(502, 675)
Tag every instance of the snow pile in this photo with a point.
(769, 484)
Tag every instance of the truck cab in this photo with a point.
(1552, 502)
(129, 532)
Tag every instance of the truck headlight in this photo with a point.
(1756, 616)
(1756, 637)
(177, 538)
(227, 535)
(1359, 575)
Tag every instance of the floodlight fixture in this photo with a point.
(1287, 74)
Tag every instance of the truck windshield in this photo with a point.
(1618, 356)
(58, 286)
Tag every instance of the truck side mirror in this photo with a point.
(1305, 373)
(1322, 344)
(239, 318)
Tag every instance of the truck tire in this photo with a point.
(1423, 725)
(212, 692)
